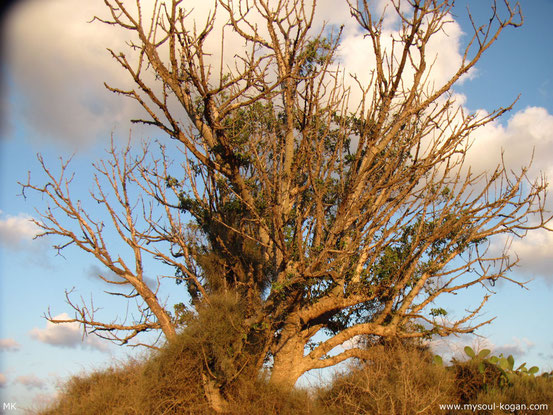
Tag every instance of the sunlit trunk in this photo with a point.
(214, 397)
(288, 365)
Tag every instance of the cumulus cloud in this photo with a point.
(58, 63)
(443, 52)
(517, 348)
(16, 232)
(535, 253)
(58, 60)
(527, 136)
(66, 335)
(9, 345)
(31, 382)
(525, 140)
(17, 235)
(454, 347)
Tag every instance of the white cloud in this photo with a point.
(3, 380)
(527, 133)
(31, 382)
(443, 53)
(535, 253)
(526, 137)
(9, 345)
(355, 341)
(328, 13)
(66, 335)
(454, 347)
(16, 232)
(59, 61)
(517, 348)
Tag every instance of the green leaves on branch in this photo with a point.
(436, 312)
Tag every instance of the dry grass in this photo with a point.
(397, 380)
(470, 381)
(524, 390)
(168, 382)
(163, 384)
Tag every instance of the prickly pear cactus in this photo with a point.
(483, 371)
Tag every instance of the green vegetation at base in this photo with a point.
(394, 379)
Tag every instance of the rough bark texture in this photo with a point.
(214, 397)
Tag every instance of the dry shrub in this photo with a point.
(215, 334)
(395, 379)
(167, 382)
(523, 390)
(398, 379)
(258, 397)
(471, 380)
(110, 391)
(170, 381)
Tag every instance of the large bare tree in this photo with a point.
(315, 213)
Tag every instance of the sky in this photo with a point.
(53, 102)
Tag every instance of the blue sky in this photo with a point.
(53, 103)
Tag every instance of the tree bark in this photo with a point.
(214, 397)
(288, 365)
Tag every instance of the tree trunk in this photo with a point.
(215, 399)
(288, 365)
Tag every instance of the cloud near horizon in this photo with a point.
(67, 335)
(9, 345)
(17, 232)
(18, 236)
(30, 382)
(454, 347)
